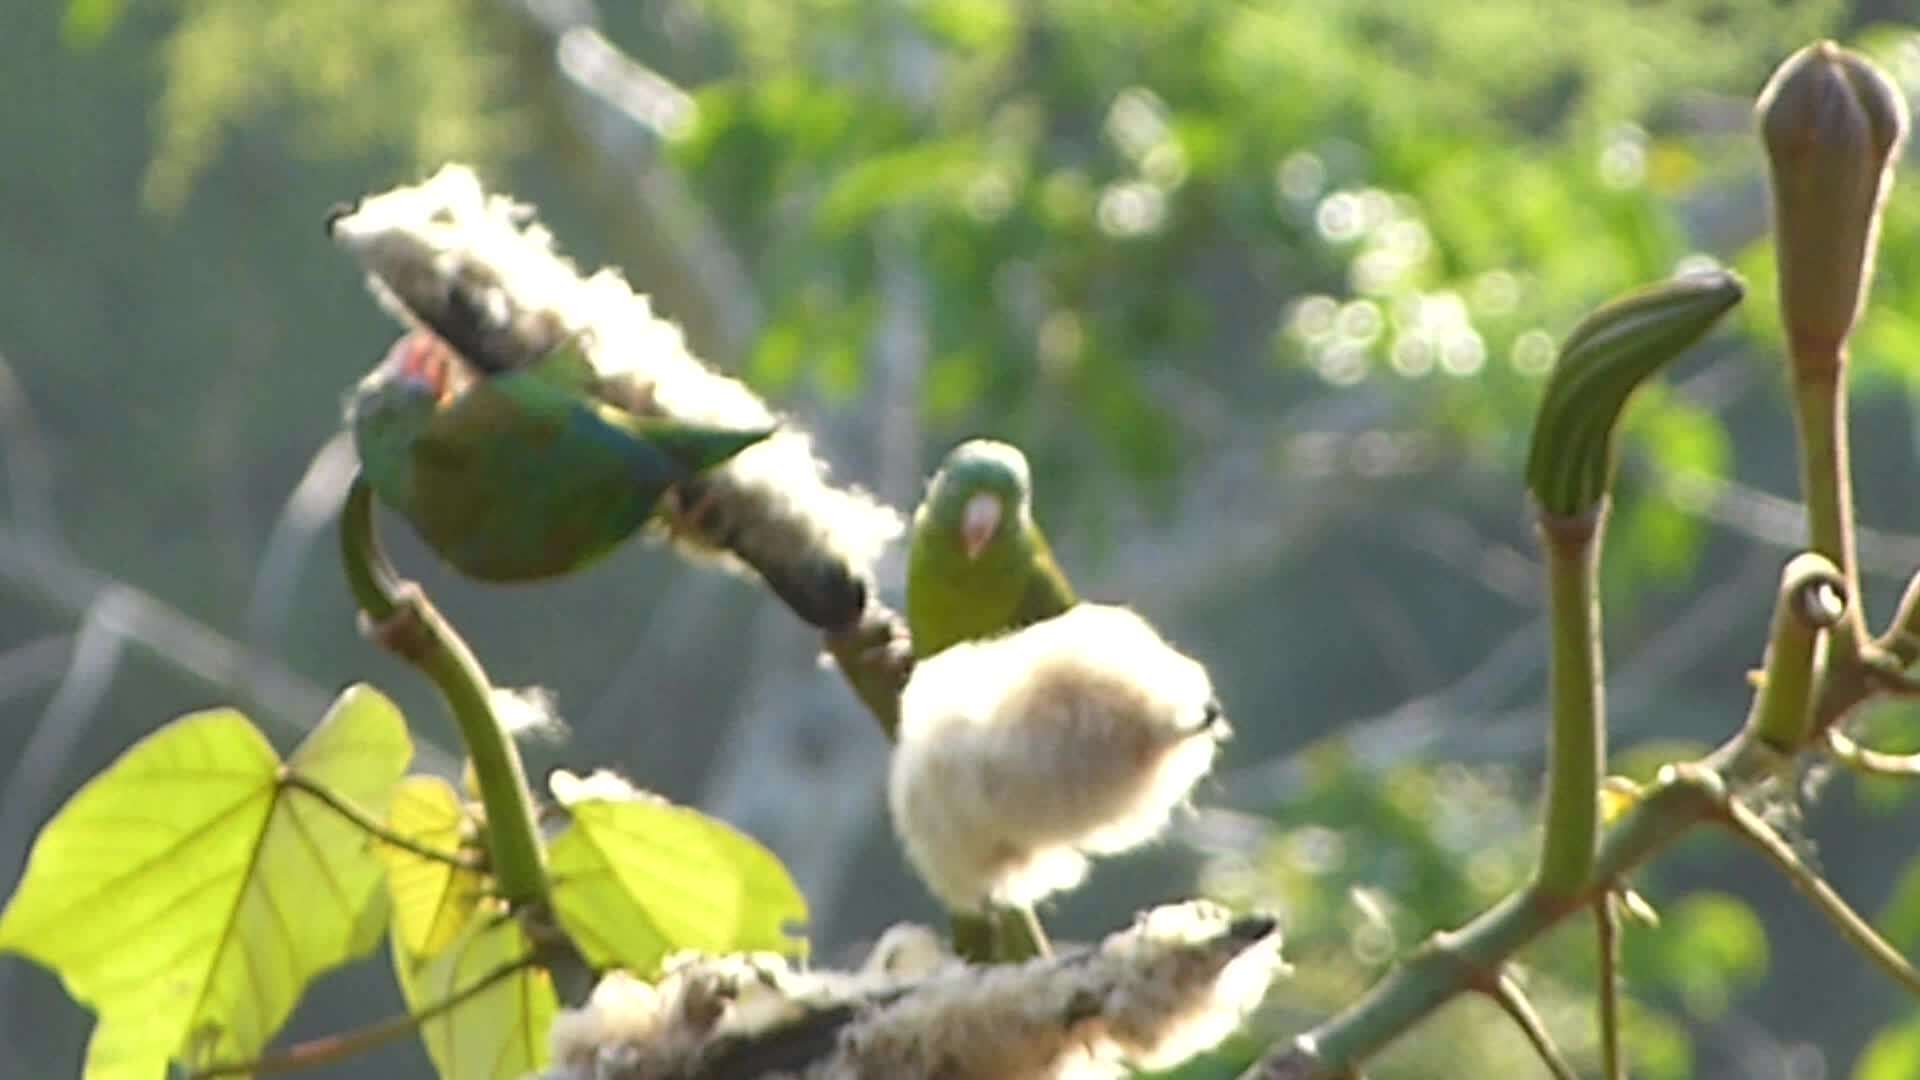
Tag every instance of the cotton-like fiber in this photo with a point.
(1020, 756)
(1172, 985)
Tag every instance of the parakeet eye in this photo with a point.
(1212, 714)
(340, 210)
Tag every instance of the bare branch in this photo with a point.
(1606, 921)
(96, 656)
(1780, 522)
(310, 508)
(1747, 825)
(1872, 762)
(1507, 994)
(333, 1048)
(608, 104)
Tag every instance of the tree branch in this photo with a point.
(1512, 1000)
(1606, 921)
(332, 1048)
(1871, 762)
(1747, 825)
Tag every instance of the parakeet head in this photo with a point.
(392, 407)
(983, 494)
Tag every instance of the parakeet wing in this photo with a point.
(1047, 592)
(522, 477)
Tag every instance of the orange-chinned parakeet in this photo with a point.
(559, 380)
(523, 473)
(977, 564)
(978, 567)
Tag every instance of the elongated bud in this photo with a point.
(1832, 124)
(1602, 362)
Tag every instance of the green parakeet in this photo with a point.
(478, 271)
(977, 563)
(523, 472)
(978, 566)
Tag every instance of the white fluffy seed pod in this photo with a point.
(1020, 756)
(477, 271)
(1174, 984)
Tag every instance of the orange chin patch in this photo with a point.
(424, 358)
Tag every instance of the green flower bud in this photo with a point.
(1832, 124)
(1602, 362)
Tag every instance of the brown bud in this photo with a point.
(1832, 124)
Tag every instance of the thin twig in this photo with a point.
(309, 509)
(28, 465)
(1512, 1000)
(331, 1048)
(97, 652)
(1747, 825)
(26, 668)
(1872, 762)
(1606, 921)
(1778, 521)
(365, 823)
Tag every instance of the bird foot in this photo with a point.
(876, 644)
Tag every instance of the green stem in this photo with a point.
(1450, 963)
(1808, 602)
(1749, 827)
(407, 622)
(1871, 762)
(1826, 477)
(366, 823)
(1576, 756)
(332, 1048)
(1512, 1000)
(1902, 638)
(1606, 921)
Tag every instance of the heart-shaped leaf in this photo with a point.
(497, 1027)
(637, 879)
(188, 894)
(433, 900)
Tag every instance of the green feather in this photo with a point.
(523, 475)
(1014, 581)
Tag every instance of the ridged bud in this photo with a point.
(1603, 361)
(1832, 124)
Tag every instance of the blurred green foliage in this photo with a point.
(1172, 223)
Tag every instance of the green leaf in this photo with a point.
(637, 879)
(499, 1033)
(1894, 1054)
(88, 22)
(187, 895)
(433, 901)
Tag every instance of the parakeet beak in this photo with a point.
(421, 358)
(978, 522)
